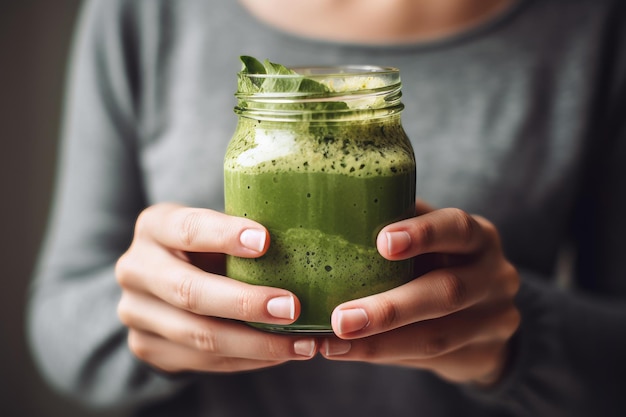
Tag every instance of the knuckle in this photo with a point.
(466, 225)
(493, 363)
(453, 292)
(245, 303)
(513, 322)
(204, 339)
(508, 281)
(387, 312)
(274, 349)
(372, 351)
(189, 228)
(517, 321)
(426, 232)
(138, 346)
(187, 292)
(433, 346)
(513, 279)
(123, 270)
(143, 219)
(123, 312)
(490, 230)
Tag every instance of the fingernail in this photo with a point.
(253, 239)
(282, 307)
(336, 347)
(304, 347)
(397, 242)
(351, 320)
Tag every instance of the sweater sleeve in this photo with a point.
(74, 333)
(567, 356)
(569, 352)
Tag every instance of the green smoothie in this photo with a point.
(324, 189)
(323, 203)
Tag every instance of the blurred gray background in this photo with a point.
(35, 37)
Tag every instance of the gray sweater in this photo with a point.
(520, 120)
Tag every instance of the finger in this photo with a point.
(446, 230)
(159, 273)
(215, 337)
(171, 357)
(428, 339)
(433, 295)
(202, 230)
(480, 363)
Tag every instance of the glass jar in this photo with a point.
(324, 172)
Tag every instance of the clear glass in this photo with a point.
(324, 172)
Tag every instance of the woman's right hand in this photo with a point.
(183, 314)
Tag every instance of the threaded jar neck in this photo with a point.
(337, 93)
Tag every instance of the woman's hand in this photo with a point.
(455, 320)
(177, 304)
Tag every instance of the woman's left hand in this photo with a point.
(456, 319)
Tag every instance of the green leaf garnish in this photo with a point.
(294, 82)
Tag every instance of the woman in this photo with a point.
(513, 108)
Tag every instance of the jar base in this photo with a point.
(294, 328)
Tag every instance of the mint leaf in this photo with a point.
(312, 86)
(288, 81)
(293, 82)
(272, 69)
(251, 65)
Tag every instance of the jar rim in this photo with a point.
(322, 71)
(340, 80)
(337, 92)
